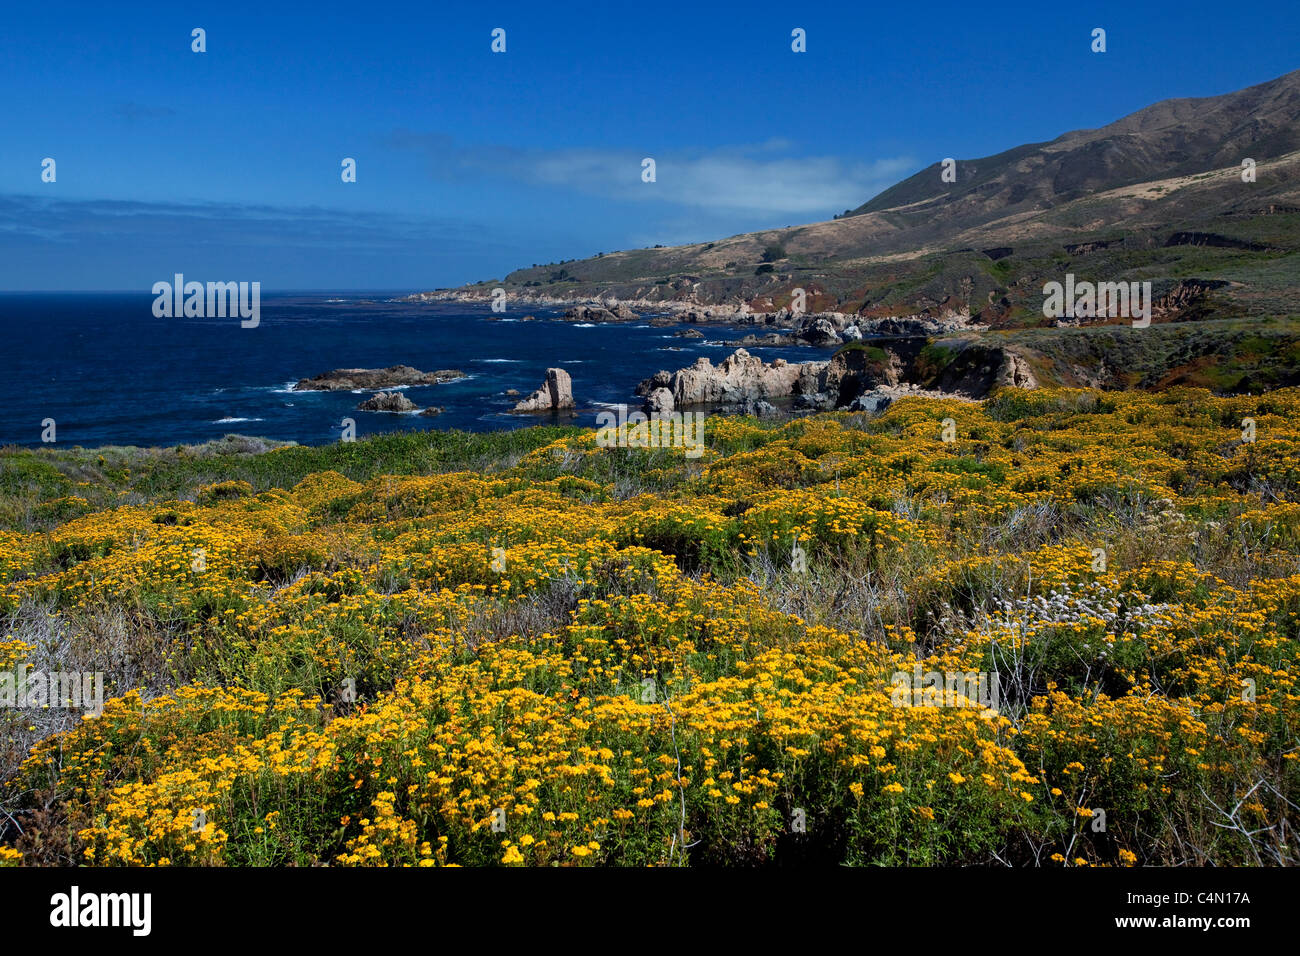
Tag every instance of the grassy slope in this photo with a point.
(35, 484)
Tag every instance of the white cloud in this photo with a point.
(749, 179)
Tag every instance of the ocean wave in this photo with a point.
(512, 361)
(234, 420)
(584, 325)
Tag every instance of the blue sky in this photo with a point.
(225, 165)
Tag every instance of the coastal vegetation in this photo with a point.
(528, 648)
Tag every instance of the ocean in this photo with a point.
(108, 372)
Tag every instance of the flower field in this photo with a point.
(617, 656)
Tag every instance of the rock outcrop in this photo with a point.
(616, 312)
(556, 393)
(862, 377)
(388, 402)
(1014, 372)
(770, 340)
(755, 407)
(1187, 291)
(740, 378)
(917, 325)
(660, 403)
(975, 370)
(352, 379)
(853, 371)
(820, 332)
(874, 402)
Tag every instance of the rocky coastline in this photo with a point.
(778, 327)
(877, 361)
(867, 378)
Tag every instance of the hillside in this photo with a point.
(1156, 195)
(1172, 139)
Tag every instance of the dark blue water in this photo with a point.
(109, 372)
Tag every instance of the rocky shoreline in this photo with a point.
(867, 379)
(781, 327)
(877, 362)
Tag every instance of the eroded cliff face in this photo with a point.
(863, 368)
(976, 370)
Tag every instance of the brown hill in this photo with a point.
(1157, 195)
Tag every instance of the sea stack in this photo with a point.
(556, 393)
